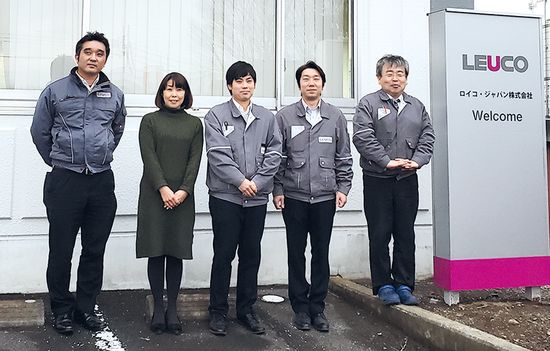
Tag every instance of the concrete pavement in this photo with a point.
(358, 322)
(437, 331)
(352, 329)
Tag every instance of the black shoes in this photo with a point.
(251, 322)
(89, 321)
(320, 322)
(63, 324)
(156, 326)
(217, 324)
(302, 321)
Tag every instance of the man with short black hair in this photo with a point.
(243, 147)
(77, 124)
(394, 136)
(314, 177)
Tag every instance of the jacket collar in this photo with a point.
(384, 96)
(103, 81)
(235, 111)
(302, 110)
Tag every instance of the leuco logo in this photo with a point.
(494, 63)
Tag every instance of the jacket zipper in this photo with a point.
(70, 135)
(106, 145)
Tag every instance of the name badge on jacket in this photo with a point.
(103, 94)
(325, 140)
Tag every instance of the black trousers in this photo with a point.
(300, 219)
(236, 229)
(390, 207)
(77, 201)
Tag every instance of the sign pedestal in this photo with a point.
(489, 181)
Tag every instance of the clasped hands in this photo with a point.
(172, 199)
(403, 164)
(248, 188)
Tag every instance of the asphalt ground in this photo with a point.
(352, 328)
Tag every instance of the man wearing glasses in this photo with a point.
(394, 136)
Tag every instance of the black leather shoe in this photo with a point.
(251, 322)
(302, 321)
(63, 324)
(89, 321)
(217, 324)
(320, 322)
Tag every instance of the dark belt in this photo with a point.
(86, 170)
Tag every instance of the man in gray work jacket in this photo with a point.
(243, 148)
(77, 124)
(394, 136)
(314, 177)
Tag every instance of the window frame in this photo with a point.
(205, 102)
(284, 100)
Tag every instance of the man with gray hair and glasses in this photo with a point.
(394, 136)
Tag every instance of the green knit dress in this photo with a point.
(170, 142)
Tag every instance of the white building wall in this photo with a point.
(397, 26)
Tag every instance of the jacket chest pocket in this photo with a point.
(236, 141)
(70, 103)
(386, 127)
(326, 142)
(104, 109)
(297, 139)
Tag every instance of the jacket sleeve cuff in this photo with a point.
(237, 181)
(159, 185)
(185, 188)
(419, 161)
(344, 189)
(277, 189)
(384, 161)
(261, 181)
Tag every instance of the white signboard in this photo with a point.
(489, 166)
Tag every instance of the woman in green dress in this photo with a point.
(170, 142)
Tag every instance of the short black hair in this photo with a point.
(392, 61)
(238, 70)
(180, 82)
(313, 65)
(93, 36)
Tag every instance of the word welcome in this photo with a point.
(480, 115)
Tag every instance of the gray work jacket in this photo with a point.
(381, 135)
(235, 153)
(76, 129)
(317, 160)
